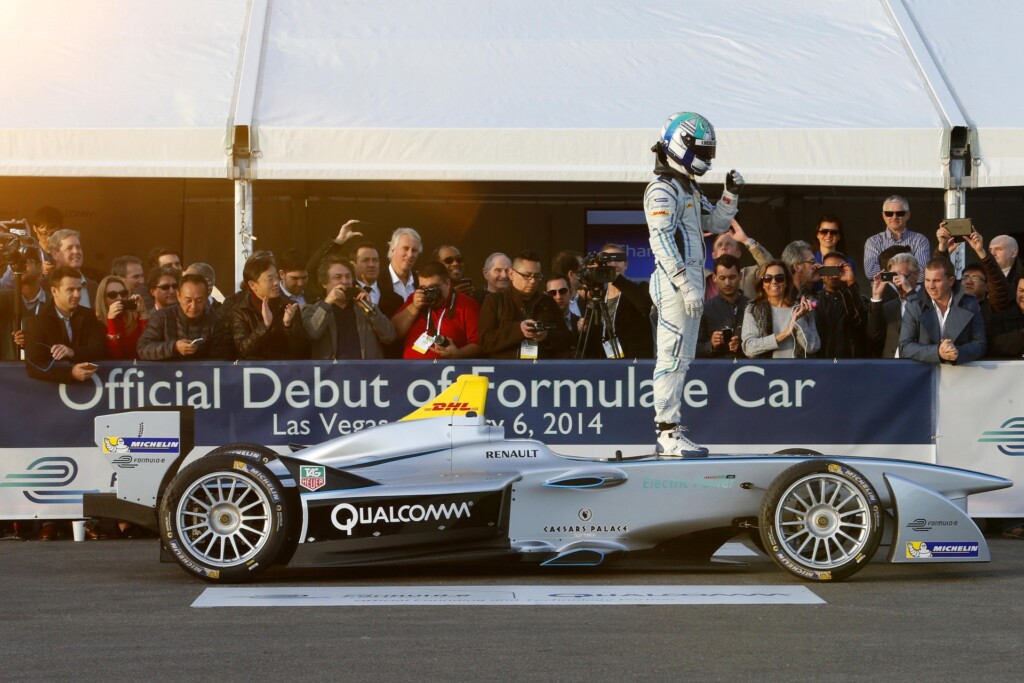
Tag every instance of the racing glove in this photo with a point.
(693, 303)
(734, 182)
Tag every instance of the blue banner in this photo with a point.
(558, 402)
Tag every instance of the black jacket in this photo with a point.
(168, 325)
(255, 341)
(501, 314)
(632, 322)
(88, 339)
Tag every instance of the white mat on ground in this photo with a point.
(365, 596)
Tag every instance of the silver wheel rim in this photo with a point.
(823, 521)
(223, 519)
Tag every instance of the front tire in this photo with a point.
(821, 520)
(224, 518)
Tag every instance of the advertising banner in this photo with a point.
(872, 408)
(981, 427)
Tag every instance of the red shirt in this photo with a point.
(458, 322)
(123, 344)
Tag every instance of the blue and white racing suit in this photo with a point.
(677, 215)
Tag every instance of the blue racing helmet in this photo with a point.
(688, 141)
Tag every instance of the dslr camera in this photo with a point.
(432, 296)
(597, 271)
(539, 326)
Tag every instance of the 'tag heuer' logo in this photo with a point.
(129, 444)
(312, 477)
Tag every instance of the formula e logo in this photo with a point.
(1009, 438)
(48, 473)
(312, 477)
(346, 516)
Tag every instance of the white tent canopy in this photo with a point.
(848, 92)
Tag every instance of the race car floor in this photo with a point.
(108, 610)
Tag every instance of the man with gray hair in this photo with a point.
(885, 310)
(65, 246)
(896, 214)
(496, 276)
(403, 250)
(1004, 250)
(799, 258)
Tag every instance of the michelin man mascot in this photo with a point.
(678, 214)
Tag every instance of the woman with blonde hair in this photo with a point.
(124, 315)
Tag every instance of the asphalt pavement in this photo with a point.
(108, 610)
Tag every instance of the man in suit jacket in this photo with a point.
(560, 289)
(888, 301)
(943, 325)
(64, 337)
(343, 327)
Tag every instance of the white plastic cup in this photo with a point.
(78, 529)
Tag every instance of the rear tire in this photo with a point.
(224, 518)
(821, 520)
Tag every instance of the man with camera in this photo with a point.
(840, 315)
(626, 333)
(187, 330)
(346, 324)
(522, 321)
(885, 311)
(720, 326)
(30, 301)
(436, 321)
(677, 215)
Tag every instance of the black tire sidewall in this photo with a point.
(236, 465)
(772, 498)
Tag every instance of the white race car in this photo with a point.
(443, 484)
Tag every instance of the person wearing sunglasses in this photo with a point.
(162, 283)
(779, 323)
(678, 214)
(559, 289)
(63, 339)
(523, 321)
(896, 214)
(828, 237)
(451, 257)
(124, 316)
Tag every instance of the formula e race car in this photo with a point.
(443, 484)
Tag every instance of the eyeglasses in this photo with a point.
(448, 260)
(116, 295)
(778, 277)
(561, 292)
(890, 214)
(533, 277)
(168, 286)
(828, 232)
(974, 278)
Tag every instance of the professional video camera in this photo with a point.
(596, 270)
(17, 245)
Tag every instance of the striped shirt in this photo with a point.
(878, 243)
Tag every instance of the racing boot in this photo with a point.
(673, 443)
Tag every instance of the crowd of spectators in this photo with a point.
(959, 302)
(955, 303)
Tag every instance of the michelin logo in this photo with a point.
(923, 550)
(127, 444)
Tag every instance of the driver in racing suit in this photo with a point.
(678, 214)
